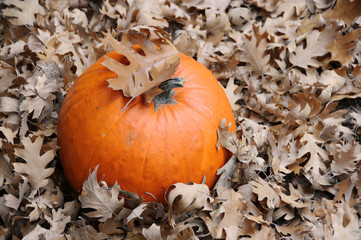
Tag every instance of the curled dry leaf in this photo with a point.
(228, 220)
(105, 201)
(184, 198)
(152, 59)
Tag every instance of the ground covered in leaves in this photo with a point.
(291, 70)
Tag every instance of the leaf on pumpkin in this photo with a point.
(103, 200)
(35, 166)
(153, 63)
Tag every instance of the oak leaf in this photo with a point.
(342, 224)
(344, 10)
(184, 198)
(264, 190)
(232, 94)
(148, 67)
(35, 166)
(254, 53)
(316, 45)
(24, 13)
(341, 47)
(315, 167)
(228, 220)
(103, 200)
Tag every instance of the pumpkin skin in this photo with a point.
(143, 149)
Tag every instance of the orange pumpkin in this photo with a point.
(143, 149)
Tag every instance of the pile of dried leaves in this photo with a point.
(291, 69)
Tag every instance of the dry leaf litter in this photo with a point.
(291, 70)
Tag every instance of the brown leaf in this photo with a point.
(103, 200)
(344, 10)
(264, 190)
(25, 12)
(228, 221)
(342, 224)
(184, 198)
(152, 63)
(316, 45)
(232, 93)
(255, 52)
(341, 47)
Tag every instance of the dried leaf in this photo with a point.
(255, 53)
(232, 94)
(264, 190)
(35, 166)
(185, 198)
(103, 200)
(24, 13)
(316, 45)
(228, 221)
(148, 67)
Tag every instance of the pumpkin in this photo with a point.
(144, 149)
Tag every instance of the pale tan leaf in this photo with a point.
(152, 233)
(232, 94)
(315, 167)
(14, 202)
(183, 198)
(57, 221)
(228, 220)
(39, 232)
(35, 166)
(148, 67)
(316, 45)
(103, 200)
(255, 53)
(24, 13)
(342, 224)
(226, 138)
(265, 191)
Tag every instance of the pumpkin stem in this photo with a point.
(166, 94)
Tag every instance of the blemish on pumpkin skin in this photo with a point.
(103, 135)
